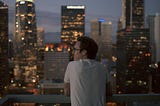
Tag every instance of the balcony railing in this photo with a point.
(129, 99)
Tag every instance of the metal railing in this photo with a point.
(129, 99)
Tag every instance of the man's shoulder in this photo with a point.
(84, 62)
(73, 63)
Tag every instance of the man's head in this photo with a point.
(85, 48)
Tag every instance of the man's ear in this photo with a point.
(84, 52)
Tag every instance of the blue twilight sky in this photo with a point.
(49, 11)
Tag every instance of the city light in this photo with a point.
(34, 65)
(23, 1)
(75, 7)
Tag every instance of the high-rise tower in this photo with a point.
(72, 23)
(101, 32)
(133, 52)
(157, 36)
(133, 13)
(25, 41)
(4, 70)
(154, 26)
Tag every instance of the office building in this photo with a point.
(56, 59)
(25, 43)
(40, 52)
(133, 52)
(132, 13)
(154, 26)
(72, 23)
(157, 36)
(101, 32)
(150, 25)
(133, 60)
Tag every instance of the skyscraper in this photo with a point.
(154, 26)
(25, 41)
(4, 70)
(133, 60)
(157, 36)
(72, 23)
(151, 25)
(133, 51)
(101, 32)
(133, 13)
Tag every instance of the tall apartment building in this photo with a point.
(4, 66)
(25, 42)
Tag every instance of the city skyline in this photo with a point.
(37, 66)
(109, 10)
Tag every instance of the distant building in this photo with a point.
(132, 13)
(25, 43)
(4, 65)
(96, 30)
(154, 26)
(56, 58)
(157, 37)
(133, 50)
(133, 60)
(40, 52)
(101, 32)
(72, 23)
(40, 37)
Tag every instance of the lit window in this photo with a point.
(22, 2)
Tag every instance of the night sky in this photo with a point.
(49, 11)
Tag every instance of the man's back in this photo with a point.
(87, 81)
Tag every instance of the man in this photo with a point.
(85, 79)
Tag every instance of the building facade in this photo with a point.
(25, 42)
(157, 36)
(133, 13)
(154, 26)
(72, 23)
(133, 60)
(101, 32)
(133, 50)
(56, 58)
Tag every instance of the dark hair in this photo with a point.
(89, 45)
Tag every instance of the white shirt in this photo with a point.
(87, 80)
